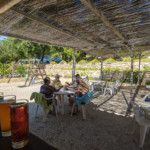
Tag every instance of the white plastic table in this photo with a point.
(62, 93)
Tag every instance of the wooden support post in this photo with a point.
(101, 69)
(132, 67)
(14, 67)
(73, 65)
(131, 81)
(140, 56)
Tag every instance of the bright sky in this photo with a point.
(2, 37)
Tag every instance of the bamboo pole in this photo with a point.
(7, 4)
(132, 67)
(131, 80)
(73, 65)
(140, 56)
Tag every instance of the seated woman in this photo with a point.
(57, 85)
(56, 82)
(47, 89)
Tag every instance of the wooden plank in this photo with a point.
(99, 13)
(7, 4)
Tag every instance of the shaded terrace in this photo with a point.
(99, 27)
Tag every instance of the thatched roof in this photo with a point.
(97, 26)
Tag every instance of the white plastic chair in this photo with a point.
(83, 105)
(142, 116)
(97, 88)
(41, 100)
(112, 89)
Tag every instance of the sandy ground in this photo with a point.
(106, 128)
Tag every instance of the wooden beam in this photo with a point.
(41, 21)
(99, 13)
(7, 4)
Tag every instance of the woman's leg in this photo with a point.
(71, 100)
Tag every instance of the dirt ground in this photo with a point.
(106, 127)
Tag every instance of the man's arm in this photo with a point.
(83, 83)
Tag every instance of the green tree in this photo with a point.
(13, 49)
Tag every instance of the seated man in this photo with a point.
(47, 89)
(57, 83)
(80, 89)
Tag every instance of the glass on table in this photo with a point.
(10, 98)
(5, 115)
(1, 96)
(19, 124)
(5, 119)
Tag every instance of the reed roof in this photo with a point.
(99, 27)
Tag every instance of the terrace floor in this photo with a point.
(106, 128)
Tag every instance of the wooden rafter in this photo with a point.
(7, 4)
(103, 18)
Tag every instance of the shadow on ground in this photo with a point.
(101, 131)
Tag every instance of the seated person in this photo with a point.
(72, 84)
(82, 87)
(80, 90)
(47, 89)
(57, 83)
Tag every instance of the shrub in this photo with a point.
(111, 69)
(94, 61)
(21, 70)
(91, 78)
(146, 68)
(82, 62)
(128, 76)
(148, 82)
(53, 63)
(126, 59)
(110, 60)
(62, 62)
(5, 69)
(70, 62)
(146, 60)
